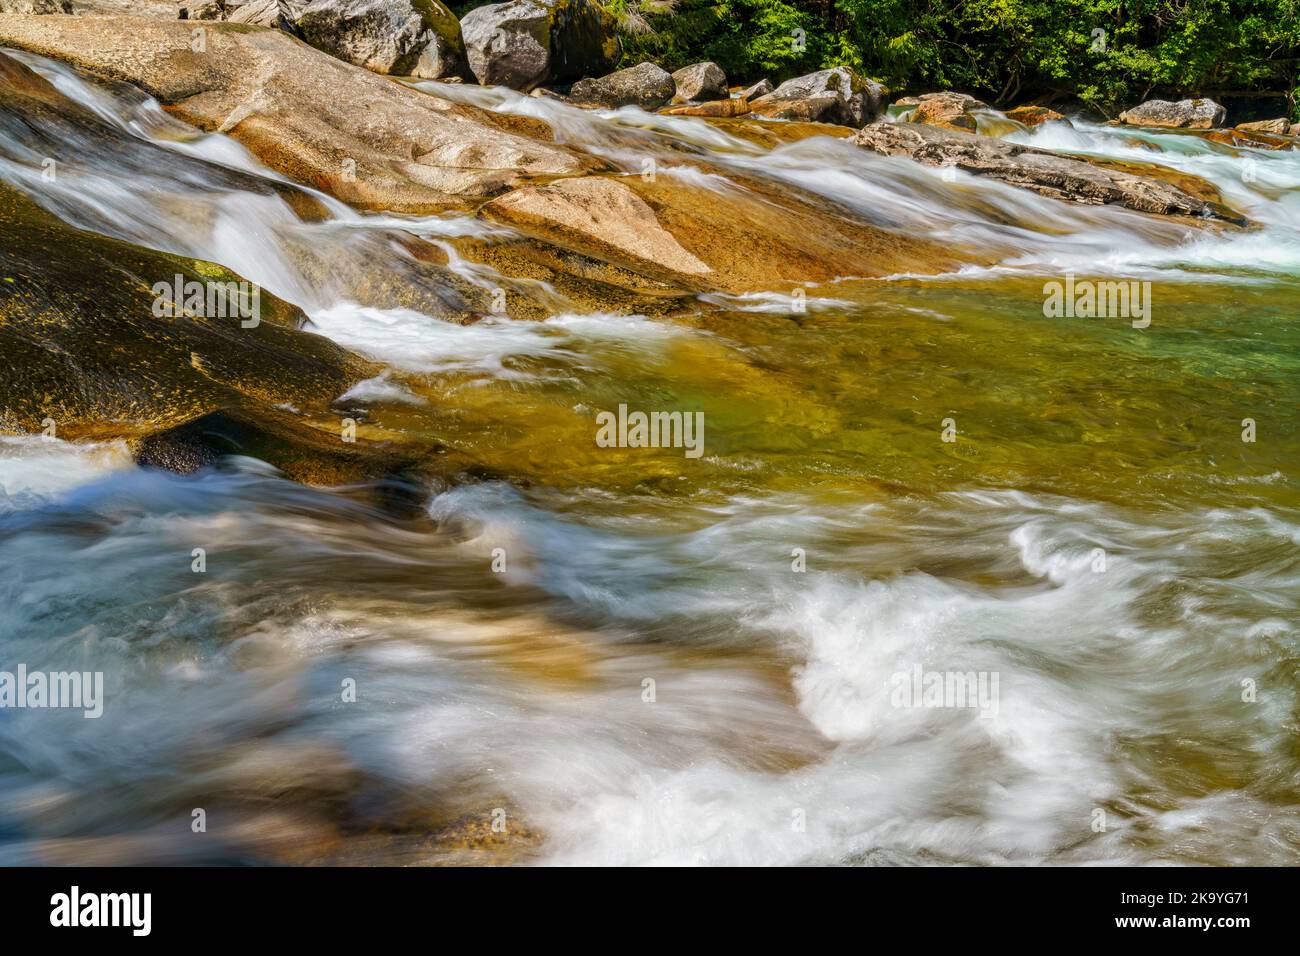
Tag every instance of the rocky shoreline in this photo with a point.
(567, 48)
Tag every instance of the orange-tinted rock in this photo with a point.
(1035, 115)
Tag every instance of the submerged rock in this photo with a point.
(401, 37)
(1238, 138)
(1046, 173)
(838, 96)
(700, 81)
(1185, 114)
(643, 85)
(369, 141)
(524, 43)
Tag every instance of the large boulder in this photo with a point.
(371, 142)
(644, 85)
(828, 96)
(947, 110)
(1185, 114)
(1046, 173)
(401, 37)
(524, 43)
(700, 81)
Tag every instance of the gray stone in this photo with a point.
(831, 96)
(525, 43)
(400, 37)
(644, 85)
(1185, 114)
(700, 81)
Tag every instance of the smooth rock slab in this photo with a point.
(600, 213)
(367, 140)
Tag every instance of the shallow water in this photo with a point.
(633, 656)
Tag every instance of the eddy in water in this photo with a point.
(408, 545)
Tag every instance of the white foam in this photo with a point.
(381, 388)
(35, 468)
(412, 341)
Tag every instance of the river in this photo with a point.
(595, 655)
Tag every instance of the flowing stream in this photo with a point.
(632, 656)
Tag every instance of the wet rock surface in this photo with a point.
(1046, 173)
(340, 128)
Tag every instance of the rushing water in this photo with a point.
(694, 660)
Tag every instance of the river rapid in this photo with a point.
(596, 655)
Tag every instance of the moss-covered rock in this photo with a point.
(524, 43)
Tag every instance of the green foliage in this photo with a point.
(1004, 50)
(747, 38)
(1009, 49)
